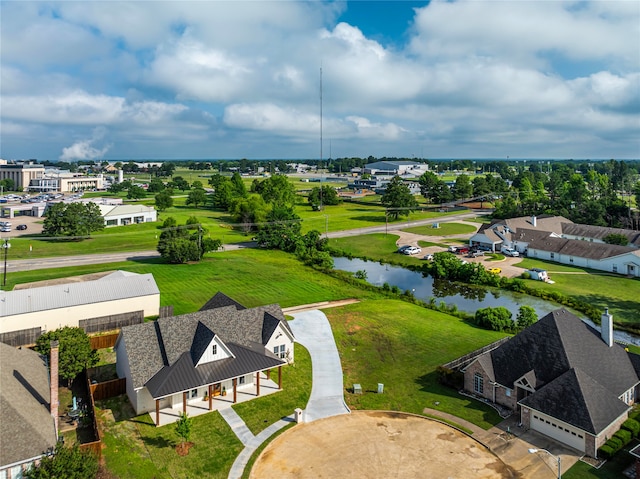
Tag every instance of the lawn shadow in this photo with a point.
(372, 219)
(158, 442)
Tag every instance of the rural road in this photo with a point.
(88, 259)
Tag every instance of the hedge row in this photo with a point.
(620, 439)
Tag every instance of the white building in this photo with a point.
(122, 215)
(119, 298)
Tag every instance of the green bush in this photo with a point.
(605, 452)
(624, 435)
(614, 443)
(633, 426)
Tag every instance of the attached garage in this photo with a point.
(558, 430)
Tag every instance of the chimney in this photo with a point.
(534, 221)
(53, 382)
(606, 327)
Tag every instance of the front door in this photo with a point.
(216, 389)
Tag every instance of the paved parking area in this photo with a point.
(34, 226)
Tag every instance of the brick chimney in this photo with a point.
(53, 382)
(606, 327)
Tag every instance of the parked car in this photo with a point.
(21, 227)
(475, 254)
(412, 250)
(510, 252)
(462, 250)
(402, 249)
(495, 270)
(452, 249)
(5, 229)
(428, 257)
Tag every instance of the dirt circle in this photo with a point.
(374, 444)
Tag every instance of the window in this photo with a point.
(508, 393)
(276, 349)
(615, 268)
(214, 349)
(194, 393)
(282, 352)
(552, 255)
(478, 383)
(241, 380)
(570, 260)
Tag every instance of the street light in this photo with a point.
(6, 245)
(533, 450)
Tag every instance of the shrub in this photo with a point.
(605, 452)
(624, 435)
(614, 443)
(526, 275)
(632, 426)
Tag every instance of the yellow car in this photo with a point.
(495, 270)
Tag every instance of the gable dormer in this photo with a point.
(207, 346)
(527, 381)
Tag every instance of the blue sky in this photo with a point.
(240, 79)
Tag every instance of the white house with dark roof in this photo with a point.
(116, 299)
(222, 352)
(567, 380)
(27, 425)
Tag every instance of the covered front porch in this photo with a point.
(168, 410)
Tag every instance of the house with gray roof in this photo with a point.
(396, 167)
(566, 380)
(98, 304)
(27, 425)
(171, 364)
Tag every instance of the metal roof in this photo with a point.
(119, 285)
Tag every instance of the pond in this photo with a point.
(466, 298)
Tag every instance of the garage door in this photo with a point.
(560, 432)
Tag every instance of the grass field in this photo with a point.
(619, 294)
(444, 229)
(400, 345)
(273, 276)
(136, 449)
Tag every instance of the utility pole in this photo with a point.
(320, 163)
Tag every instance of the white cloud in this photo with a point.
(85, 149)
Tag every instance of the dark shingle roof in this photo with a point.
(183, 375)
(600, 232)
(558, 342)
(220, 300)
(26, 426)
(152, 347)
(579, 400)
(580, 248)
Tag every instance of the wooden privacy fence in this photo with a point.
(105, 341)
(108, 389)
(96, 445)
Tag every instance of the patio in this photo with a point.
(197, 407)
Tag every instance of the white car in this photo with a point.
(428, 257)
(413, 250)
(510, 252)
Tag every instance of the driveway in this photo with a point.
(312, 330)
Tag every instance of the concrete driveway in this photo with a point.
(313, 331)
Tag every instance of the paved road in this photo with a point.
(88, 259)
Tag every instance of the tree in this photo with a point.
(463, 187)
(197, 197)
(496, 319)
(156, 185)
(187, 243)
(616, 238)
(183, 427)
(67, 462)
(197, 184)
(278, 190)
(249, 212)
(526, 317)
(167, 169)
(179, 183)
(136, 192)
(222, 196)
(163, 201)
(72, 219)
(398, 198)
(325, 195)
(237, 185)
(75, 353)
(282, 230)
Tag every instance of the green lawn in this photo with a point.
(273, 276)
(612, 469)
(445, 229)
(296, 382)
(400, 345)
(618, 293)
(136, 449)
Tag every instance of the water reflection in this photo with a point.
(466, 298)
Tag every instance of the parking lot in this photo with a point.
(34, 226)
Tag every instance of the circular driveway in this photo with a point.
(375, 444)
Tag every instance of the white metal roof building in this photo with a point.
(122, 215)
(117, 299)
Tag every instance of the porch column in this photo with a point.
(279, 377)
(268, 373)
(235, 390)
(258, 383)
(184, 402)
(157, 412)
(210, 397)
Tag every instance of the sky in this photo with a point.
(109, 80)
